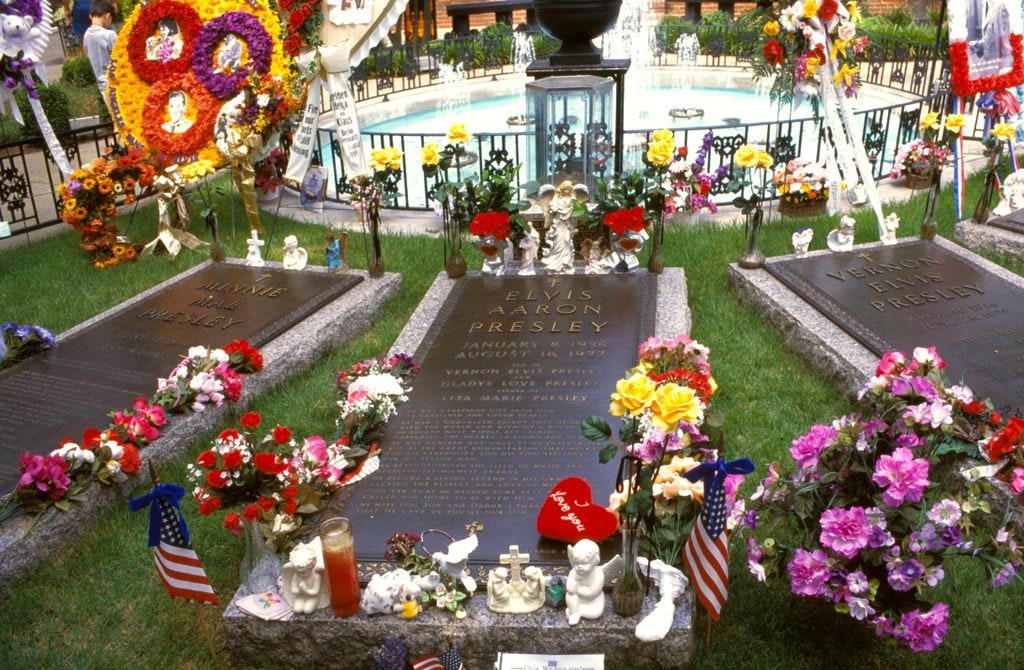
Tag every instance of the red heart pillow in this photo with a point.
(569, 514)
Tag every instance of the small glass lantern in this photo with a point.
(573, 121)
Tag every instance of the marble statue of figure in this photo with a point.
(1011, 194)
(254, 257)
(294, 257)
(671, 584)
(801, 241)
(890, 225)
(453, 560)
(584, 590)
(497, 590)
(530, 244)
(558, 205)
(841, 238)
(595, 255)
(304, 584)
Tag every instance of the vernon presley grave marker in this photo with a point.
(920, 294)
(510, 367)
(106, 366)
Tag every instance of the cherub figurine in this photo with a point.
(1011, 194)
(497, 589)
(530, 244)
(305, 588)
(841, 239)
(254, 257)
(533, 591)
(801, 241)
(889, 227)
(294, 257)
(584, 590)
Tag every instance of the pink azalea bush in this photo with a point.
(863, 518)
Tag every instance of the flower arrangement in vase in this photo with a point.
(802, 186)
(920, 158)
(690, 180)
(369, 193)
(872, 505)
(751, 159)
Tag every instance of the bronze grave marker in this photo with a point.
(106, 366)
(1013, 222)
(510, 367)
(919, 293)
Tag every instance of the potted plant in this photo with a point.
(803, 188)
(269, 174)
(920, 158)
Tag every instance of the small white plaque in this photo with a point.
(549, 662)
(5, 229)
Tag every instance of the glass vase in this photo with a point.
(981, 210)
(260, 566)
(929, 225)
(655, 262)
(628, 592)
(752, 258)
(454, 262)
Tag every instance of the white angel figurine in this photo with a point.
(453, 560)
(305, 588)
(841, 238)
(889, 227)
(584, 590)
(801, 241)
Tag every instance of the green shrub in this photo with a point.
(77, 72)
(670, 28)
(54, 100)
(900, 17)
(716, 19)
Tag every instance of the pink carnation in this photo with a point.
(892, 361)
(1017, 480)
(806, 449)
(316, 448)
(808, 572)
(903, 477)
(845, 531)
(45, 474)
(923, 632)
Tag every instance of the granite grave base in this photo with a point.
(289, 353)
(986, 238)
(323, 640)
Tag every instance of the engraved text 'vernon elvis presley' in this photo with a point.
(562, 312)
(883, 280)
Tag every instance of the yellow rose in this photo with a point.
(660, 153)
(378, 160)
(430, 155)
(674, 403)
(930, 121)
(663, 136)
(812, 67)
(764, 159)
(811, 9)
(632, 395)
(393, 158)
(954, 122)
(771, 29)
(1003, 131)
(746, 156)
(457, 134)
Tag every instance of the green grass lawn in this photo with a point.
(100, 605)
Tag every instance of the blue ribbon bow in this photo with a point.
(713, 474)
(171, 493)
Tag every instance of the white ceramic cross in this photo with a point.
(516, 560)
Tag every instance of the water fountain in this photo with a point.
(687, 49)
(522, 55)
(453, 82)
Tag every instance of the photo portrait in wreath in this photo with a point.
(985, 45)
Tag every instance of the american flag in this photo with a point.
(706, 554)
(449, 660)
(176, 562)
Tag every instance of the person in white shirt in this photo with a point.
(99, 39)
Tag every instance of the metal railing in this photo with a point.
(28, 176)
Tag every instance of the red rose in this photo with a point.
(233, 523)
(229, 434)
(269, 464)
(295, 20)
(974, 408)
(827, 10)
(90, 438)
(622, 220)
(290, 507)
(773, 52)
(217, 479)
(243, 357)
(281, 434)
(682, 151)
(266, 503)
(995, 418)
(293, 44)
(490, 223)
(233, 459)
(285, 5)
(130, 462)
(252, 512)
(250, 420)
(290, 492)
(705, 188)
(209, 505)
(207, 459)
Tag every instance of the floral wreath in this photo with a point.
(190, 141)
(248, 28)
(189, 23)
(138, 87)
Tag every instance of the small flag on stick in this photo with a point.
(176, 562)
(706, 554)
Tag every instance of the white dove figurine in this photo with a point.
(454, 559)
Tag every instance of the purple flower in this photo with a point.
(903, 573)
(880, 537)
(845, 531)
(903, 477)
(249, 29)
(924, 388)
(31, 8)
(1004, 576)
(806, 449)
(946, 512)
(950, 536)
(857, 583)
(909, 440)
(860, 608)
(750, 519)
(923, 632)
(10, 82)
(808, 572)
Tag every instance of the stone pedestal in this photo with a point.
(319, 639)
